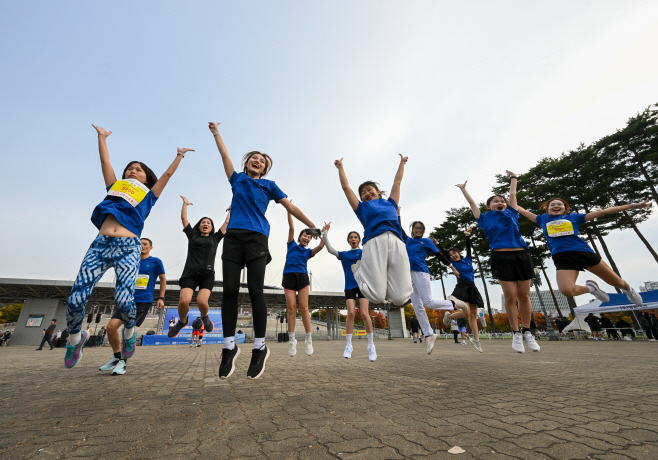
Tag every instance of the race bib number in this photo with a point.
(131, 190)
(142, 282)
(561, 227)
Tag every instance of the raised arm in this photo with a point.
(593, 215)
(404, 234)
(445, 253)
(183, 211)
(474, 207)
(512, 190)
(397, 182)
(108, 171)
(325, 238)
(349, 193)
(291, 228)
(525, 213)
(319, 247)
(228, 164)
(164, 179)
(225, 224)
(467, 233)
(296, 212)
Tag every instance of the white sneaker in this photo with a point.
(517, 343)
(653, 340)
(627, 339)
(598, 292)
(459, 305)
(530, 341)
(372, 354)
(430, 343)
(476, 344)
(446, 319)
(463, 343)
(348, 351)
(634, 297)
(292, 347)
(309, 348)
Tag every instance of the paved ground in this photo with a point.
(572, 400)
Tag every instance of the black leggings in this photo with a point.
(231, 285)
(456, 334)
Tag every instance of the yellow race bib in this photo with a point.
(131, 190)
(142, 282)
(560, 227)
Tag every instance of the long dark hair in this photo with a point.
(151, 178)
(197, 229)
(373, 184)
(268, 162)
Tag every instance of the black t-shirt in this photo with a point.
(414, 324)
(201, 251)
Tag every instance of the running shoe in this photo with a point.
(120, 368)
(348, 351)
(517, 343)
(207, 324)
(476, 344)
(464, 343)
(191, 345)
(128, 346)
(634, 297)
(598, 292)
(415, 341)
(173, 332)
(459, 305)
(111, 364)
(308, 349)
(446, 319)
(74, 352)
(258, 359)
(372, 354)
(430, 343)
(292, 347)
(227, 366)
(530, 341)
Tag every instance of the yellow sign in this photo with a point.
(141, 282)
(559, 227)
(357, 333)
(131, 190)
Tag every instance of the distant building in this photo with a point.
(548, 302)
(649, 286)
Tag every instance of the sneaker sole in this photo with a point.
(237, 353)
(172, 336)
(478, 349)
(263, 369)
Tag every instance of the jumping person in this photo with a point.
(120, 219)
(150, 269)
(296, 283)
(199, 271)
(383, 271)
(466, 291)
(511, 263)
(245, 244)
(572, 254)
(418, 248)
(352, 292)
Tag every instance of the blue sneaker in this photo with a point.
(74, 352)
(111, 364)
(128, 346)
(120, 368)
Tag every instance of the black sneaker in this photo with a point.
(173, 332)
(258, 359)
(227, 366)
(207, 323)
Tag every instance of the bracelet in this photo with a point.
(181, 154)
(215, 134)
(633, 205)
(160, 298)
(513, 177)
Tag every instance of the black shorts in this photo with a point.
(512, 265)
(142, 310)
(243, 246)
(295, 281)
(468, 292)
(204, 280)
(575, 260)
(353, 294)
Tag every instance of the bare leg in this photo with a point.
(303, 309)
(202, 301)
(113, 334)
(184, 300)
(473, 310)
(349, 322)
(603, 271)
(365, 314)
(509, 292)
(291, 303)
(523, 294)
(566, 283)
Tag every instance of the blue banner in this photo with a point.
(178, 340)
(215, 316)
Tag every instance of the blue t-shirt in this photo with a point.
(149, 269)
(347, 259)
(131, 217)
(296, 258)
(378, 216)
(417, 249)
(502, 229)
(465, 269)
(249, 203)
(562, 232)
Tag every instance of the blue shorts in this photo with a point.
(462, 328)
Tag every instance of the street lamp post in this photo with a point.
(388, 319)
(552, 335)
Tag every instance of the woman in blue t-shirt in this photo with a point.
(245, 244)
(352, 291)
(295, 281)
(572, 254)
(383, 271)
(511, 263)
(120, 219)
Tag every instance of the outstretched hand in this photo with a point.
(101, 131)
(510, 173)
(213, 127)
(183, 151)
(434, 240)
(468, 231)
(326, 227)
(339, 163)
(186, 201)
(403, 159)
(462, 186)
(645, 204)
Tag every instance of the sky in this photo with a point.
(467, 90)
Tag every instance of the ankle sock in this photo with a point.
(128, 332)
(117, 355)
(370, 339)
(348, 337)
(514, 332)
(229, 342)
(74, 339)
(524, 330)
(309, 337)
(259, 343)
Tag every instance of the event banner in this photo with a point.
(214, 314)
(207, 340)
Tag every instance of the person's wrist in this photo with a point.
(215, 133)
(161, 298)
(633, 205)
(513, 177)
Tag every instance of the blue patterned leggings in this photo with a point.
(122, 253)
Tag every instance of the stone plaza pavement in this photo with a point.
(573, 400)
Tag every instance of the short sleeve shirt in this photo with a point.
(465, 269)
(250, 200)
(201, 251)
(417, 250)
(296, 258)
(128, 211)
(378, 216)
(149, 270)
(562, 232)
(502, 229)
(347, 259)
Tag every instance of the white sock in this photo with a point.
(291, 336)
(348, 337)
(229, 342)
(259, 343)
(309, 337)
(128, 332)
(370, 339)
(74, 339)
(591, 289)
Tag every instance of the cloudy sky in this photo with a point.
(465, 89)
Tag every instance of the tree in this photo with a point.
(10, 313)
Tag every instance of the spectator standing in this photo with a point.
(645, 323)
(455, 330)
(461, 323)
(594, 325)
(47, 335)
(654, 324)
(625, 329)
(609, 328)
(415, 327)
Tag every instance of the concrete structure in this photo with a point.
(649, 286)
